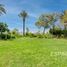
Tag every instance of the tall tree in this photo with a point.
(64, 18)
(3, 28)
(38, 25)
(2, 9)
(43, 21)
(23, 15)
(47, 20)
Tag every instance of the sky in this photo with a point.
(34, 8)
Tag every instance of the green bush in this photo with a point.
(15, 34)
(59, 33)
(56, 32)
(40, 36)
(27, 34)
(64, 32)
(32, 35)
(5, 36)
(48, 35)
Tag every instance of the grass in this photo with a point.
(33, 52)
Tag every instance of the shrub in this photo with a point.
(59, 33)
(56, 32)
(64, 32)
(48, 35)
(32, 35)
(5, 36)
(15, 34)
(40, 35)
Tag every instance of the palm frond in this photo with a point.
(2, 9)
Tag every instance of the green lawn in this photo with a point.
(33, 52)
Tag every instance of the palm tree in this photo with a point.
(64, 19)
(23, 15)
(38, 24)
(43, 21)
(43, 24)
(2, 9)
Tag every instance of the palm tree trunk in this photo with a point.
(1, 35)
(6, 37)
(24, 27)
(44, 31)
(65, 27)
(53, 28)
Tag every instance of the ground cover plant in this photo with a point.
(33, 52)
